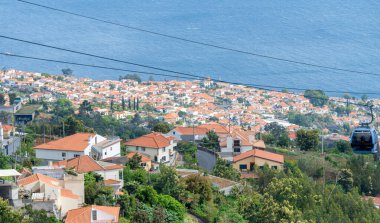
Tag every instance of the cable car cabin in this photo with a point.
(364, 140)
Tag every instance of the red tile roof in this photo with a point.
(144, 158)
(261, 154)
(76, 142)
(39, 177)
(152, 140)
(216, 127)
(111, 182)
(85, 164)
(69, 194)
(191, 130)
(83, 215)
(376, 200)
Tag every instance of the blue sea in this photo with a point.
(344, 33)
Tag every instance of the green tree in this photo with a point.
(147, 195)
(5, 161)
(200, 186)
(307, 139)
(38, 216)
(268, 138)
(211, 141)
(283, 140)
(134, 77)
(134, 162)
(182, 114)
(345, 179)
(162, 127)
(317, 97)
(67, 72)
(7, 214)
(343, 146)
(123, 103)
(85, 107)
(222, 169)
(12, 97)
(364, 97)
(168, 182)
(63, 107)
(73, 125)
(275, 129)
(174, 208)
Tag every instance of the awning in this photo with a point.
(9, 173)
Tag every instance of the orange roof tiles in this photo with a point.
(261, 154)
(7, 128)
(82, 164)
(191, 130)
(83, 215)
(144, 158)
(85, 164)
(216, 127)
(69, 194)
(111, 181)
(76, 142)
(39, 177)
(376, 200)
(152, 140)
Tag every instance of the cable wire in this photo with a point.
(201, 43)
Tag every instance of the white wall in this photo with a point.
(56, 154)
(102, 216)
(152, 152)
(112, 150)
(68, 204)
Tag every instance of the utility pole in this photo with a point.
(63, 128)
(229, 124)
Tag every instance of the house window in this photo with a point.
(63, 154)
(243, 166)
(143, 164)
(163, 158)
(173, 133)
(76, 155)
(236, 150)
(236, 142)
(105, 153)
(137, 148)
(261, 167)
(120, 174)
(143, 148)
(163, 149)
(274, 167)
(94, 216)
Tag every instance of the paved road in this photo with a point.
(206, 160)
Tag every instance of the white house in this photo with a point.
(93, 214)
(111, 173)
(238, 142)
(188, 134)
(45, 188)
(157, 146)
(91, 144)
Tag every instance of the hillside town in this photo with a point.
(61, 159)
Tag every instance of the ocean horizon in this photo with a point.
(342, 34)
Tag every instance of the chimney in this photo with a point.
(251, 138)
